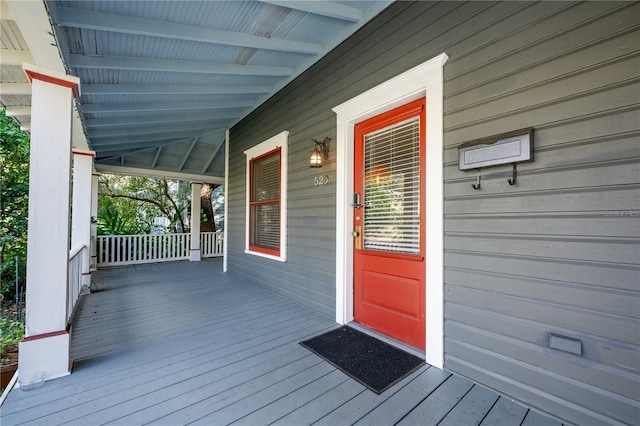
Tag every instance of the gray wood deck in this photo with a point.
(183, 343)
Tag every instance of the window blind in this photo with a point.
(265, 202)
(392, 188)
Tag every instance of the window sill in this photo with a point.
(266, 256)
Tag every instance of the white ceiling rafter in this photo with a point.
(324, 8)
(212, 157)
(132, 25)
(18, 110)
(32, 19)
(15, 57)
(154, 163)
(187, 154)
(138, 131)
(110, 154)
(185, 116)
(27, 24)
(169, 65)
(5, 12)
(15, 89)
(166, 106)
(111, 141)
(162, 81)
(117, 150)
(123, 152)
(168, 89)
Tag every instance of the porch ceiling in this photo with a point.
(161, 81)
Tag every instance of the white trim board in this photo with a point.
(425, 80)
(281, 140)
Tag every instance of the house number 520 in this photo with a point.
(320, 180)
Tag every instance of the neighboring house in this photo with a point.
(554, 254)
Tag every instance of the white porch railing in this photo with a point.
(211, 244)
(74, 278)
(119, 250)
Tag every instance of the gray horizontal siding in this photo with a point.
(557, 252)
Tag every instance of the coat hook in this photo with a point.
(514, 173)
(476, 185)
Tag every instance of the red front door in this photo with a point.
(389, 266)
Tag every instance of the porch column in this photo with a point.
(93, 264)
(81, 210)
(45, 346)
(195, 221)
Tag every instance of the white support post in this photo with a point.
(81, 210)
(45, 346)
(195, 221)
(225, 232)
(93, 264)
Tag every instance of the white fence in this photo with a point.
(118, 250)
(74, 278)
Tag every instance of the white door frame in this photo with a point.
(424, 80)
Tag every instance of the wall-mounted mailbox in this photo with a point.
(506, 148)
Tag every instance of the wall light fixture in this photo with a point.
(320, 152)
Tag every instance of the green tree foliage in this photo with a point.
(119, 216)
(11, 333)
(14, 204)
(132, 204)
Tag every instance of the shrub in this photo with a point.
(11, 333)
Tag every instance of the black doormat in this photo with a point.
(374, 363)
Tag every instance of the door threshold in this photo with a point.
(390, 340)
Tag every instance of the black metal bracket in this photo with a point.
(514, 173)
(476, 185)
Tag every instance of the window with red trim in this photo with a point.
(264, 203)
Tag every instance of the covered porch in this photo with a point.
(182, 342)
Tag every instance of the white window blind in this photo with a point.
(392, 188)
(265, 202)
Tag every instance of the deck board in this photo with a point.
(403, 401)
(473, 407)
(195, 403)
(505, 412)
(314, 410)
(536, 419)
(183, 343)
(307, 392)
(439, 403)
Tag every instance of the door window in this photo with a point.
(392, 188)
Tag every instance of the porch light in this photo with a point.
(319, 153)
